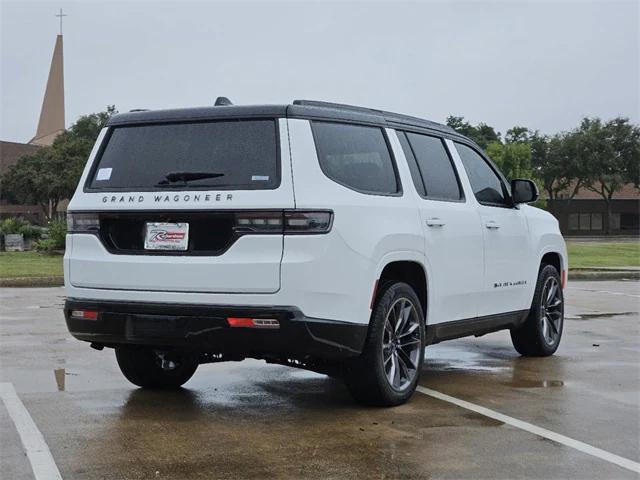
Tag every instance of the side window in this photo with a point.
(411, 161)
(355, 156)
(438, 173)
(487, 185)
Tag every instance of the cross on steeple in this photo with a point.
(61, 15)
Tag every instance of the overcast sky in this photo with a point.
(543, 65)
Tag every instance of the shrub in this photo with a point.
(46, 245)
(58, 232)
(18, 225)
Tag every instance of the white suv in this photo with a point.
(328, 237)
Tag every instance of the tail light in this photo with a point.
(305, 222)
(289, 222)
(85, 314)
(259, 222)
(243, 322)
(83, 222)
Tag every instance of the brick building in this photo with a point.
(586, 213)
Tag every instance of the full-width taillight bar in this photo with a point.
(289, 222)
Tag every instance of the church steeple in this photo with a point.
(51, 122)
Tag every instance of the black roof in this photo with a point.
(306, 109)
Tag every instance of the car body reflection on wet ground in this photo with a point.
(252, 420)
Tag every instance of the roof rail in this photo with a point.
(388, 116)
(338, 106)
(139, 110)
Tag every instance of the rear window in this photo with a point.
(238, 154)
(356, 157)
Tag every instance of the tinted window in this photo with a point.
(437, 171)
(413, 165)
(487, 186)
(355, 156)
(139, 157)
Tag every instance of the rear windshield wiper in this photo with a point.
(185, 177)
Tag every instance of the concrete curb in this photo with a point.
(586, 274)
(55, 281)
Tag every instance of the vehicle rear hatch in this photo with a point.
(185, 206)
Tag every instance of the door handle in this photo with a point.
(435, 222)
(492, 225)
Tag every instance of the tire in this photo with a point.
(368, 377)
(541, 332)
(143, 366)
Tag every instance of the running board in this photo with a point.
(475, 326)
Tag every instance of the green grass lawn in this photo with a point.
(581, 255)
(29, 264)
(603, 254)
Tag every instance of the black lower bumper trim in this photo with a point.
(205, 328)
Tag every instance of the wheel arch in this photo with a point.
(557, 260)
(554, 259)
(407, 269)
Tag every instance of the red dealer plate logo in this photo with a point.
(166, 236)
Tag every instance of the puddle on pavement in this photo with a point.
(522, 383)
(444, 357)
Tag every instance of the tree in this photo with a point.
(486, 135)
(554, 161)
(39, 178)
(482, 133)
(513, 159)
(52, 173)
(611, 154)
(460, 125)
(517, 135)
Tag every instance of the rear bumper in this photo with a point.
(205, 328)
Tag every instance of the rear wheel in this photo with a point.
(387, 371)
(540, 335)
(155, 368)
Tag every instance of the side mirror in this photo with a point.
(523, 191)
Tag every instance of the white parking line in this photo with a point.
(542, 432)
(42, 463)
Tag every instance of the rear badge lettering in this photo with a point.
(185, 198)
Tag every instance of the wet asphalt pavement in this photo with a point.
(252, 420)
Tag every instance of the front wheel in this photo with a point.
(387, 371)
(540, 334)
(149, 367)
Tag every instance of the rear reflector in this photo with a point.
(85, 314)
(253, 322)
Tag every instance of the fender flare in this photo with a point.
(405, 256)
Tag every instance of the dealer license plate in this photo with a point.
(166, 236)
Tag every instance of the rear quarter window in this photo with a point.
(356, 156)
(137, 158)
